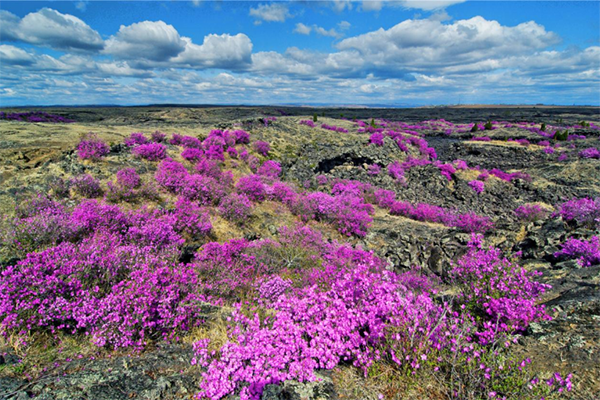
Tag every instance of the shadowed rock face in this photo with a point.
(32, 153)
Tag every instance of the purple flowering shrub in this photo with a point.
(283, 193)
(374, 169)
(314, 329)
(477, 186)
(585, 211)
(252, 186)
(135, 139)
(190, 142)
(128, 178)
(591, 152)
(158, 137)
(237, 278)
(262, 147)
(235, 207)
(377, 138)
(269, 289)
(192, 154)
(203, 189)
(92, 148)
(307, 122)
(270, 169)
(171, 175)
(334, 128)
(348, 213)
(505, 176)
(191, 219)
(586, 252)
(531, 212)
(232, 152)
(35, 116)
(39, 222)
(86, 186)
(129, 187)
(151, 151)
(120, 294)
(468, 222)
(241, 136)
(385, 198)
(497, 290)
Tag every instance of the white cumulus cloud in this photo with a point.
(50, 28)
(146, 40)
(274, 12)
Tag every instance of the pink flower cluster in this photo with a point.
(308, 122)
(587, 252)
(92, 148)
(531, 212)
(334, 128)
(499, 289)
(585, 211)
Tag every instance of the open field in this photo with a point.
(240, 227)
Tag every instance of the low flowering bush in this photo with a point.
(377, 138)
(92, 148)
(121, 295)
(252, 186)
(469, 222)
(190, 142)
(348, 213)
(215, 152)
(531, 212)
(315, 329)
(232, 152)
(374, 169)
(191, 219)
(151, 151)
(510, 177)
(307, 122)
(270, 289)
(235, 207)
(171, 175)
(385, 198)
(129, 188)
(86, 186)
(270, 169)
(39, 222)
(447, 170)
(586, 252)
(201, 188)
(396, 171)
(283, 193)
(585, 211)
(192, 154)
(241, 136)
(460, 165)
(501, 291)
(262, 148)
(128, 178)
(477, 186)
(135, 139)
(209, 168)
(351, 188)
(34, 116)
(158, 137)
(176, 139)
(591, 152)
(322, 180)
(334, 128)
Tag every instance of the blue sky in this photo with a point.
(410, 52)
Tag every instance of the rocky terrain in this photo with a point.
(35, 156)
